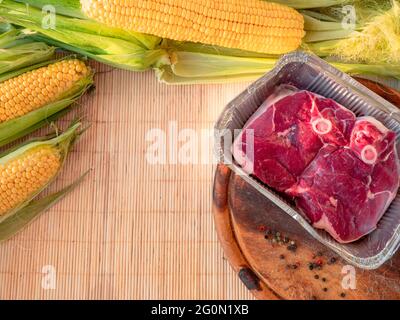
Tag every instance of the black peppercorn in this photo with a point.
(316, 277)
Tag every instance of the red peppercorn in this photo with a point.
(319, 262)
(262, 228)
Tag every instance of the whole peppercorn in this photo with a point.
(261, 228)
(325, 289)
(286, 240)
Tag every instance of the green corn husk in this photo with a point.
(378, 42)
(18, 51)
(196, 63)
(116, 47)
(308, 4)
(22, 126)
(375, 40)
(62, 143)
(24, 213)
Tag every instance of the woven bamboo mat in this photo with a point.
(131, 230)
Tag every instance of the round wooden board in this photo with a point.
(271, 271)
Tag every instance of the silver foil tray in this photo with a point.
(311, 73)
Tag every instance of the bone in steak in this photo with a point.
(287, 131)
(342, 172)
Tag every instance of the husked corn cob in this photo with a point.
(37, 88)
(26, 174)
(251, 25)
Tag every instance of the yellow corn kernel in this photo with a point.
(27, 174)
(252, 25)
(37, 88)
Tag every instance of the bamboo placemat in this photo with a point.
(131, 230)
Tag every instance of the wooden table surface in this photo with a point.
(131, 230)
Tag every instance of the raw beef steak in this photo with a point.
(281, 139)
(346, 190)
(342, 172)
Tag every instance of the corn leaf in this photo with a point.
(166, 75)
(307, 4)
(71, 8)
(15, 223)
(191, 64)
(24, 55)
(17, 50)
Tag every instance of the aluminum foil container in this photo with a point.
(308, 72)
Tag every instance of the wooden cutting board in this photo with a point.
(277, 259)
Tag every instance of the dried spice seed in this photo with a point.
(343, 295)
(281, 257)
(316, 277)
(323, 279)
(314, 298)
(311, 266)
(266, 236)
(292, 247)
(262, 228)
(286, 240)
(325, 289)
(332, 260)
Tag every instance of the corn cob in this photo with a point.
(37, 88)
(27, 174)
(27, 170)
(252, 25)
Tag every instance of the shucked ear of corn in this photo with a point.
(253, 25)
(28, 97)
(28, 170)
(175, 62)
(25, 172)
(18, 51)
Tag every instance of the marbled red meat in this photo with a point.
(287, 131)
(343, 173)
